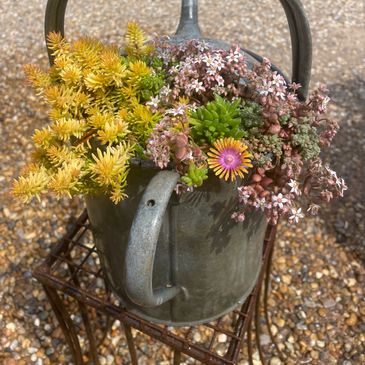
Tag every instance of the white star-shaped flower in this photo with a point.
(296, 215)
(294, 186)
(279, 200)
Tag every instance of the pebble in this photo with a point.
(350, 282)
(275, 361)
(50, 351)
(352, 320)
(265, 339)
(34, 357)
(301, 326)
(197, 337)
(14, 345)
(329, 303)
(286, 279)
(280, 322)
(274, 329)
(220, 349)
(32, 350)
(9, 361)
(222, 338)
(11, 326)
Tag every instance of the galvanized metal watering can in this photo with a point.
(182, 260)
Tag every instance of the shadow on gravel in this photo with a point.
(346, 217)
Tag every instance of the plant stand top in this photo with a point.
(73, 268)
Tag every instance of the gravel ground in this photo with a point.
(317, 301)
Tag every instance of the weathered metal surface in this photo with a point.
(143, 241)
(186, 242)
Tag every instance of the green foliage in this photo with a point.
(251, 119)
(284, 120)
(150, 85)
(267, 148)
(217, 119)
(195, 175)
(306, 138)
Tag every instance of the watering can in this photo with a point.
(180, 259)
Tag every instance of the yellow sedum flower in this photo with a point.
(66, 127)
(65, 181)
(30, 185)
(96, 99)
(113, 131)
(110, 166)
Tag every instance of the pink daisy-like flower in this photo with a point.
(229, 158)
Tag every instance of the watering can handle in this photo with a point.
(142, 243)
(301, 44)
(300, 34)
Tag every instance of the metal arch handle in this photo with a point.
(301, 43)
(300, 33)
(142, 243)
(54, 21)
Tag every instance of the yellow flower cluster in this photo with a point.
(98, 116)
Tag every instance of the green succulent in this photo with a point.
(307, 139)
(217, 119)
(195, 175)
(150, 85)
(251, 118)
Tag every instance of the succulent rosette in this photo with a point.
(189, 107)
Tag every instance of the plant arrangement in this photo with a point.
(187, 107)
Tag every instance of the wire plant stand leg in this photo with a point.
(258, 327)
(177, 357)
(66, 323)
(131, 345)
(249, 343)
(85, 317)
(266, 297)
(89, 333)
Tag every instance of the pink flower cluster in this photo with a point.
(322, 183)
(170, 141)
(285, 141)
(273, 203)
(202, 71)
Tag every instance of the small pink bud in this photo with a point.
(274, 128)
(256, 178)
(258, 188)
(181, 152)
(266, 181)
(197, 152)
(273, 118)
(264, 194)
(261, 171)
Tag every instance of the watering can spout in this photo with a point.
(188, 25)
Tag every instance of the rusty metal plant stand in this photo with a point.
(72, 270)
